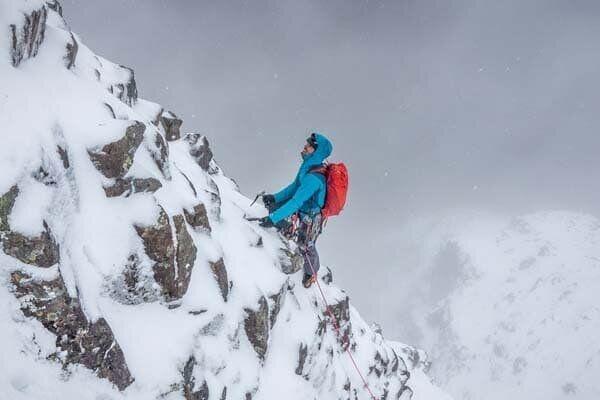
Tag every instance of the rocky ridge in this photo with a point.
(124, 241)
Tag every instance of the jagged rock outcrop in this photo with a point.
(134, 285)
(159, 150)
(173, 265)
(117, 254)
(127, 186)
(341, 311)
(189, 383)
(198, 218)
(200, 150)
(256, 325)
(185, 255)
(55, 6)
(171, 124)
(71, 55)
(90, 344)
(115, 159)
(7, 202)
(290, 258)
(220, 273)
(27, 37)
(41, 250)
(126, 90)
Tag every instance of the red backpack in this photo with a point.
(336, 176)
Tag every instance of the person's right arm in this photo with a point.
(286, 193)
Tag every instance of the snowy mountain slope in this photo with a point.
(127, 267)
(522, 319)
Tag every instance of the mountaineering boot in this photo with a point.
(308, 280)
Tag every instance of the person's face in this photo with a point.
(308, 149)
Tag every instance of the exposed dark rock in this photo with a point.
(111, 110)
(44, 177)
(72, 49)
(160, 154)
(171, 125)
(27, 38)
(55, 5)
(158, 245)
(405, 393)
(126, 91)
(215, 199)
(291, 260)
(302, 353)
(114, 159)
(256, 325)
(198, 218)
(328, 277)
(156, 119)
(197, 312)
(220, 273)
(173, 266)
(185, 256)
(214, 326)
(341, 311)
(63, 156)
(132, 286)
(224, 394)
(83, 342)
(277, 300)
(7, 202)
(128, 186)
(200, 150)
(189, 183)
(189, 382)
(41, 250)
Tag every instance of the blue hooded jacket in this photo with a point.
(307, 192)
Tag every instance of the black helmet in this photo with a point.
(312, 140)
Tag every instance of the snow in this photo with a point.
(43, 105)
(522, 320)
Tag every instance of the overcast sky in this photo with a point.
(434, 105)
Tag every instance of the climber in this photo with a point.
(305, 196)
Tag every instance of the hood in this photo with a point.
(324, 148)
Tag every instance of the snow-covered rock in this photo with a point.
(516, 312)
(128, 269)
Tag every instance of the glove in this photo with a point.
(266, 222)
(268, 201)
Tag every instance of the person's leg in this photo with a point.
(311, 259)
(309, 250)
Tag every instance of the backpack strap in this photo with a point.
(319, 169)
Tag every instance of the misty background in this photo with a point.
(435, 106)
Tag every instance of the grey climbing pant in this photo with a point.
(308, 232)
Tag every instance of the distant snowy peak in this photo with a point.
(531, 284)
(128, 269)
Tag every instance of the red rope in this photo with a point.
(345, 344)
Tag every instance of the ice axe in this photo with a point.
(262, 193)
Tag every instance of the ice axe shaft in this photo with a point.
(262, 193)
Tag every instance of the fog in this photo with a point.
(434, 106)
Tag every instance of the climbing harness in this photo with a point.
(336, 326)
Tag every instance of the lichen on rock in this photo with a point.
(256, 325)
(91, 344)
(114, 159)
